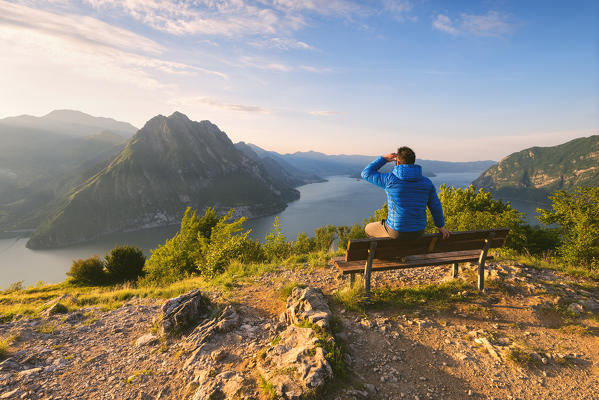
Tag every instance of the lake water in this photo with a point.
(339, 201)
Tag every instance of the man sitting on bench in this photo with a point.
(408, 195)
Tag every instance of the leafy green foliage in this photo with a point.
(302, 245)
(469, 209)
(275, 245)
(177, 257)
(225, 244)
(324, 237)
(345, 233)
(577, 215)
(88, 272)
(204, 245)
(125, 263)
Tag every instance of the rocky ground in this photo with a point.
(532, 335)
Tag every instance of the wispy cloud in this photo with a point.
(325, 113)
(399, 9)
(281, 44)
(492, 24)
(443, 23)
(86, 46)
(217, 104)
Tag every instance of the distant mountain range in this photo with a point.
(532, 174)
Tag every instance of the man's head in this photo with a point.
(405, 155)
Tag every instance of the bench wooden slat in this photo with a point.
(353, 267)
(357, 249)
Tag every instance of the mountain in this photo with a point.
(320, 164)
(533, 173)
(170, 164)
(67, 123)
(279, 169)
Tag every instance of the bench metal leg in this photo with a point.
(352, 279)
(481, 262)
(455, 270)
(368, 270)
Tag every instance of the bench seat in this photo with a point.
(424, 260)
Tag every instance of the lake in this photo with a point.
(339, 201)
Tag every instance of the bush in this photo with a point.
(302, 245)
(577, 217)
(344, 233)
(177, 257)
(224, 245)
(275, 246)
(88, 272)
(324, 237)
(125, 263)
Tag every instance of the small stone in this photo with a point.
(575, 308)
(146, 340)
(469, 392)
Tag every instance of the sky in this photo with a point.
(454, 80)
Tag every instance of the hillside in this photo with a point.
(279, 169)
(532, 335)
(170, 164)
(535, 172)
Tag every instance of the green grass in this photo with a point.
(268, 388)
(434, 296)
(5, 344)
(352, 297)
(551, 263)
(523, 357)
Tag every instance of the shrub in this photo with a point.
(302, 245)
(344, 233)
(224, 245)
(577, 217)
(88, 272)
(275, 246)
(177, 257)
(125, 263)
(324, 237)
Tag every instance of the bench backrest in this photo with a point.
(357, 249)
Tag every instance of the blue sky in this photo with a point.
(456, 80)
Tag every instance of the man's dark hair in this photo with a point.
(405, 155)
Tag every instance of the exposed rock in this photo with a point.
(308, 304)
(181, 313)
(147, 339)
(226, 385)
(56, 308)
(296, 363)
(227, 320)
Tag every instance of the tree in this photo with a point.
(577, 216)
(275, 245)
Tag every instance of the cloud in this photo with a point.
(86, 46)
(217, 104)
(443, 23)
(281, 44)
(398, 8)
(325, 113)
(492, 24)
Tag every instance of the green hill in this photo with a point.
(533, 173)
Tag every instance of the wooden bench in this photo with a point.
(383, 254)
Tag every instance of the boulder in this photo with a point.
(226, 385)
(183, 312)
(146, 340)
(296, 364)
(308, 304)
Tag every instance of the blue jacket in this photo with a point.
(408, 195)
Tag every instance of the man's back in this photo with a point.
(408, 195)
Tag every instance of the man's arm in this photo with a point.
(371, 173)
(434, 204)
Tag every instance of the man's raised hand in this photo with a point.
(390, 157)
